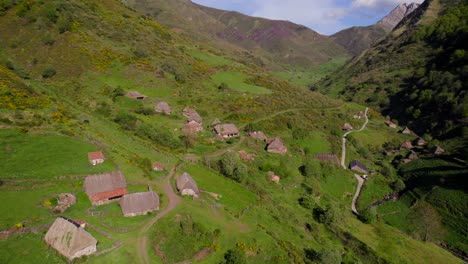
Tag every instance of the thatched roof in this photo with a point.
(185, 181)
(406, 130)
(438, 150)
(216, 122)
(277, 146)
(390, 123)
(192, 115)
(258, 135)
(137, 203)
(420, 141)
(157, 166)
(163, 107)
(192, 126)
(136, 95)
(104, 186)
(226, 129)
(347, 126)
(412, 155)
(67, 237)
(406, 145)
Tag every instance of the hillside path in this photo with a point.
(343, 139)
(174, 200)
(343, 160)
(358, 191)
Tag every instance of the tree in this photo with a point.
(189, 137)
(369, 215)
(426, 222)
(330, 256)
(331, 215)
(398, 185)
(234, 256)
(231, 166)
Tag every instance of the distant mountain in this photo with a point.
(391, 20)
(357, 39)
(279, 42)
(417, 74)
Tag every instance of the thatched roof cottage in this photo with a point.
(192, 127)
(277, 146)
(186, 185)
(70, 239)
(258, 135)
(163, 107)
(412, 155)
(420, 142)
(347, 127)
(141, 203)
(406, 145)
(136, 95)
(226, 130)
(358, 166)
(390, 124)
(95, 157)
(192, 115)
(406, 130)
(438, 150)
(105, 188)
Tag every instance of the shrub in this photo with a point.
(64, 24)
(48, 39)
(369, 215)
(48, 72)
(234, 256)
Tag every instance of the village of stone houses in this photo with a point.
(72, 237)
(170, 132)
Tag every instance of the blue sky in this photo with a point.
(323, 16)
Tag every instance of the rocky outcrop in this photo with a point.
(401, 11)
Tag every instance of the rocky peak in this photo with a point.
(393, 18)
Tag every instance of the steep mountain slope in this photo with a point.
(417, 74)
(390, 21)
(357, 39)
(280, 42)
(66, 66)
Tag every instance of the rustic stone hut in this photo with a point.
(406, 145)
(406, 130)
(328, 157)
(70, 239)
(420, 142)
(192, 127)
(347, 127)
(358, 166)
(105, 188)
(95, 157)
(245, 156)
(158, 166)
(359, 115)
(192, 115)
(136, 95)
(226, 130)
(64, 201)
(412, 155)
(438, 150)
(390, 124)
(141, 203)
(273, 177)
(163, 107)
(277, 146)
(258, 135)
(186, 185)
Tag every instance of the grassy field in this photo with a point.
(212, 60)
(237, 82)
(27, 156)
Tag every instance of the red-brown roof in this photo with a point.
(95, 155)
(108, 195)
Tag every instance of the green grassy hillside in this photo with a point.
(64, 75)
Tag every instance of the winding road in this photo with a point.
(343, 160)
(174, 200)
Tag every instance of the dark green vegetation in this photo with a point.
(62, 83)
(417, 76)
